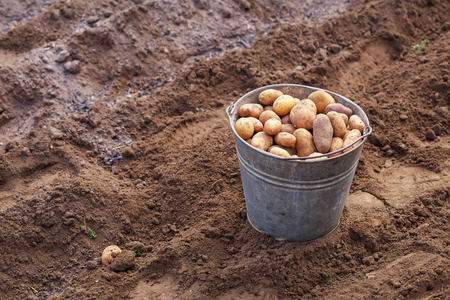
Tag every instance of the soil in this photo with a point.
(113, 132)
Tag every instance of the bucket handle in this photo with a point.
(367, 132)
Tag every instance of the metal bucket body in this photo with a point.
(295, 199)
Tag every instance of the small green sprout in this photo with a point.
(422, 46)
(47, 277)
(134, 252)
(90, 233)
(331, 278)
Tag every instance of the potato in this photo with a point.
(262, 140)
(267, 97)
(289, 128)
(316, 154)
(249, 141)
(268, 114)
(305, 144)
(290, 150)
(268, 107)
(340, 108)
(109, 253)
(345, 118)
(336, 144)
(352, 136)
(278, 151)
(322, 133)
(272, 126)
(339, 128)
(303, 114)
(286, 119)
(285, 139)
(250, 110)
(355, 122)
(244, 128)
(322, 99)
(283, 104)
(346, 134)
(257, 124)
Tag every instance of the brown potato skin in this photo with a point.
(109, 253)
(279, 151)
(336, 144)
(305, 144)
(355, 122)
(244, 128)
(257, 124)
(289, 128)
(345, 118)
(322, 99)
(268, 114)
(286, 119)
(339, 128)
(316, 154)
(285, 139)
(322, 133)
(340, 108)
(250, 110)
(283, 104)
(272, 126)
(352, 136)
(262, 141)
(290, 150)
(303, 114)
(268, 96)
(268, 107)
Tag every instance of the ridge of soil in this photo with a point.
(109, 124)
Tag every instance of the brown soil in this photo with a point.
(112, 118)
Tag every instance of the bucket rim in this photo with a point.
(305, 159)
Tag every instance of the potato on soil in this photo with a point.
(109, 253)
(250, 110)
(355, 122)
(322, 133)
(262, 141)
(268, 114)
(303, 114)
(257, 125)
(244, 128)
(339, 128)
(272, 126)
(283, 104)
(289, 128)
(267, 97)
(285, 139)
(279, 151)
(305, 144)
(340, 108)
(336, 144)
(321, 99)
(352, 136)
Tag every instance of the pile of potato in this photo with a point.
(290, 127)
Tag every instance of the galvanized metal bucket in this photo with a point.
(295, 199)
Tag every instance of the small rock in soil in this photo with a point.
(73, 67)
(430, 135)
(92, 20)
(389, 152)
(322, 54)
(123, 261)
(443, 111)
(62, 56)
(437, 129)
(403, 117)
(55, 134)
(334, 48)
(385, 148)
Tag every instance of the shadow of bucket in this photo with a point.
(295, 199)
